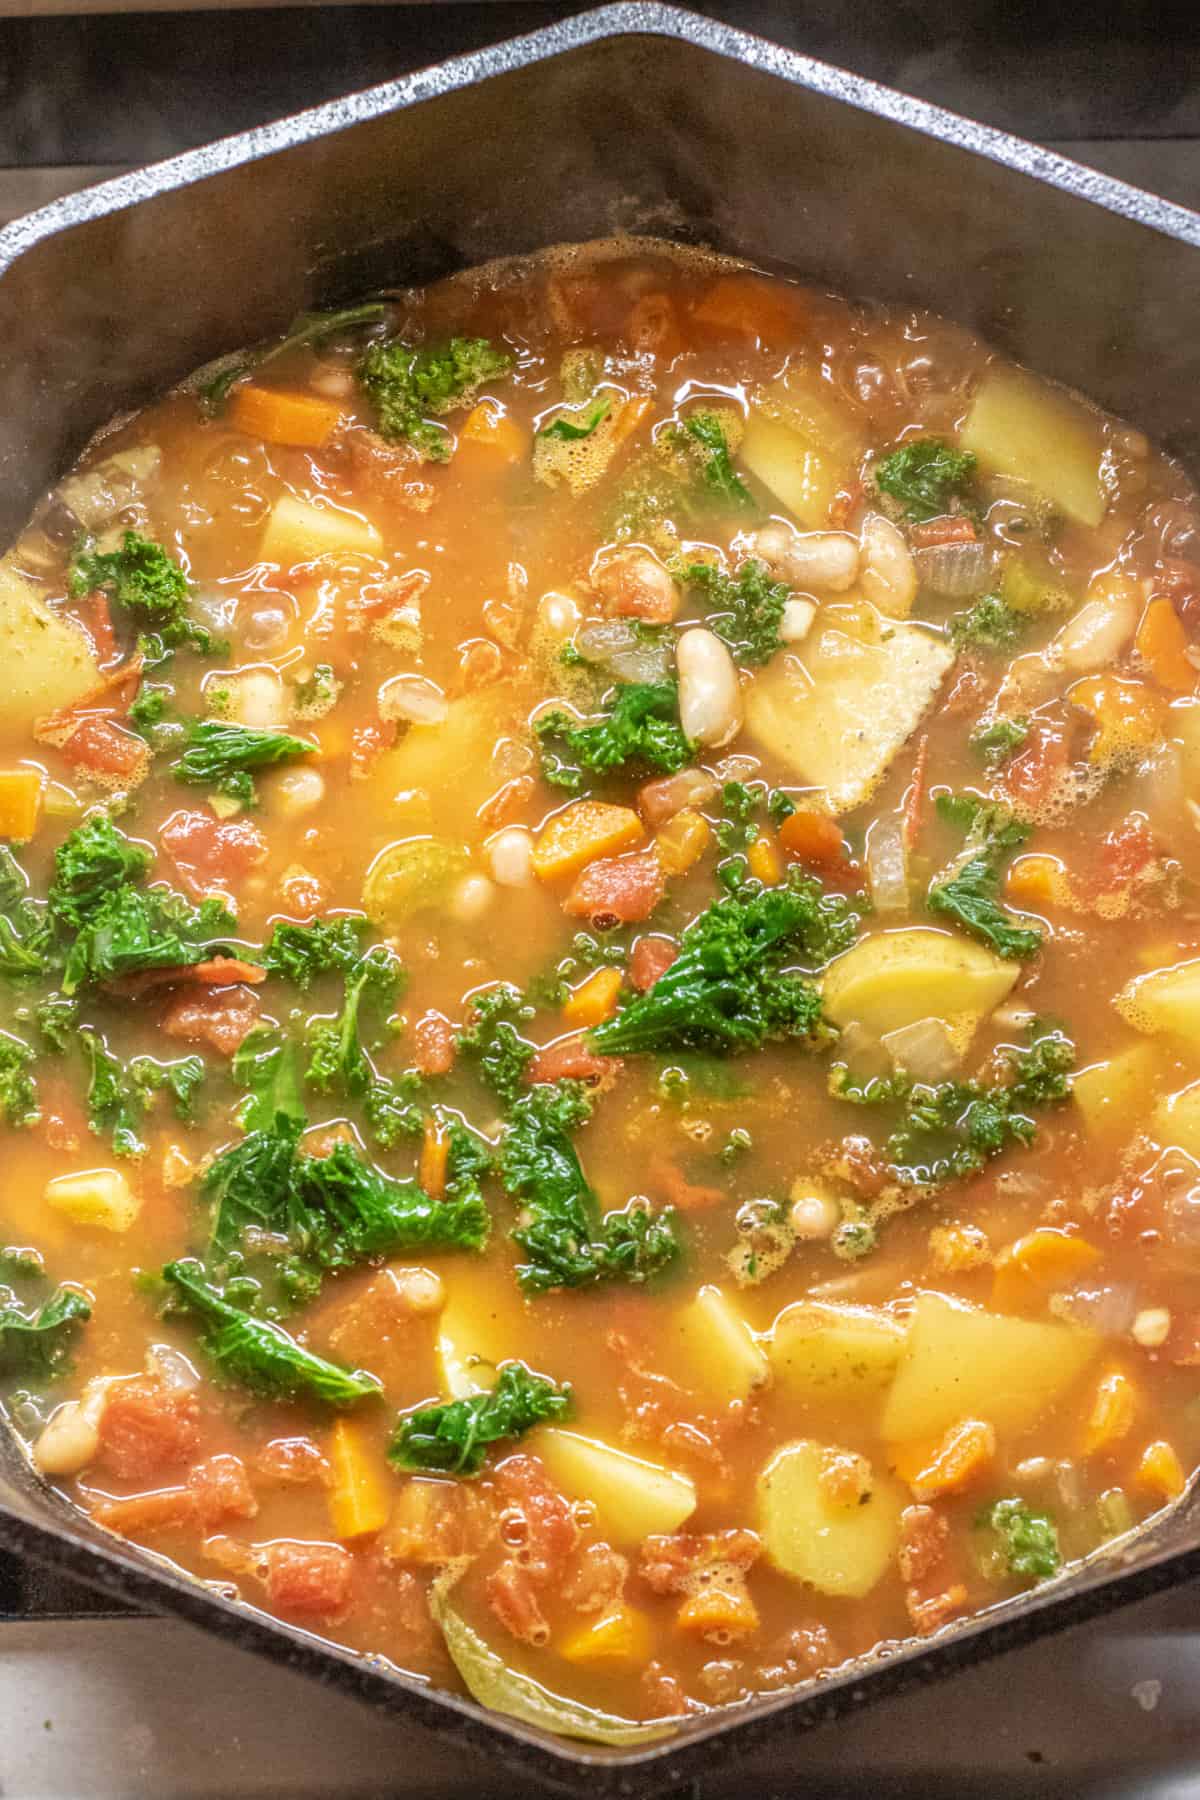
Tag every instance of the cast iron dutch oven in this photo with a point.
(634, 118)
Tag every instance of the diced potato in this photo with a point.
(297, 531)
(412, 877)
(632, 1498)
(1176, 1120)
(450, 764)
(826, 1352)
(720, 1356)
(1113, 1096)
(1021, 426)
(473, 1340)
(960, 1362)
(114, 486)
(619, 1638)
(47, 661)
(1167, 1000)
(803, 442)
(99, 1197)
(894, 978)
(839, 710)
(842, 1550)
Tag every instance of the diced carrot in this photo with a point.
(629, 416)
(358, 1496)
(1038, 1264)
(594, 1000)
(619, 1636)
(682, 841)
(1161, 642)
(1036, 881)
(718, 1609)
(583, 831)
(1126, 714)
(763, 859)
(1161, 1471)
(916, 797)
(20, 803)
(965, 1452)
(435, 1158)
(491, 428)
(303, 420)
(748, 306)
(813, 838)
(1112, 1412)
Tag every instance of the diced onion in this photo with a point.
(887, 867)
(955, 570)
(925, 1049)
(616, 645)
(414, 698)
(1109, 1310)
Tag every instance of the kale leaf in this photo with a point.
(924, 475)
(491, 1040)
(145, 582)
(220, 755)
(567, 431)
(36, 1346)
(118, 1094)
(300, 953)
(258, 1354)
(990, 624)
(307, 328)
(454, 1438)
(999, 738)
(90, 865)
(266, 1065)
(137, 929)
(337, 1060)
(640, 727)
(1028, 1540)
(18, 1092)
(744, 610)
(970, 894)
(717, 471)
(409, 388)
(566, 1241)
(726, 990)
(26, 928)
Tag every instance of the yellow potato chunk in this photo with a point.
(632, 1498)
(98, 1197)
(47, 662)
(720, 1357)
(839, 710)
(1021, 426)
(803, 441)
(837, 1549)
(1113, 1096)
(821, 1351)
(1176, 1120)
(1166, 1000)
(897, 977)
(960, 1362)
(297, 531)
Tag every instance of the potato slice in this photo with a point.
(632, 1498)
(821, 1352)
(960, 1362)
(47, 661)
(839, 711)
(719, 1355)
(450, 763)
(1176, 1120)
(1021, 426)
(803, 441)
(894, 978)
(1166, 1000)
(297, 531)
(837, 1549)
(1113, 1096)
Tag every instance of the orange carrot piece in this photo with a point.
(1127, 715)
(747, 306)
(583, 831)
(303, 420)
(435, 1158)
(594, 1000)
(813, 838)
(727, 1610)
(682, 841)
(965, 1452)
(763, 859)
(20, 803)
(1162, 643)
(492, 428)
(1038, 1263)
(358, 1495)
(1036, 880)
(1161, 1471)
(1112, 1412)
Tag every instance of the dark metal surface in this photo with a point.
(638, 118)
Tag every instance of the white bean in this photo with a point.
(335, 384)
(257, 698)
(812, 1214)
(510, 856)
(1151, 1327)
(70, 1438)
(1099, 631)
(887, 573)
(795, 621)
(413, 698)
(557, 615)
(635, 584)
(471, 898)
(295, 791)
(710, 697)
(814, 559)
(420, 1291)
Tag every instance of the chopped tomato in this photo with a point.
(291, 1462)
(216, 972)
(1033, 773)
(924, 1535)
(671, 1561)
(512, 1596)
(164, 1510)
(651, 957)
(1126, 851)
(103, 748)
(223, 1018)
(220, 1489)
(210, 852)
(537, 1522)
(506, 802)
(951, 528)
(617, 889)
(97, 622)
(688, 1196)
(652, 328)
(571, 1059)
(436, 1044)
(597, 1581)
(147, 1427)
(309, 1578)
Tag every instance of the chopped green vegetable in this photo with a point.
(36, 1346)
(136, 929)
(308, 328)
(640, 728)
(337, 1059)
(90, 865)
(727, 989)
(300, 953)
(970, 894)
(454, 1438)
(587, 952)
(566, 1241)
(491, 1040)
(409, 388)
(57, 1018)
(999, 738)
(26, 932)
(18, 1092)
(220, 756)
(267, 1066)
(990, 624)
(118, 1095)
(744, 610)
(1028, 1540)
(924, 476)
(317, 694)
(566, 430)
(260, 1355)
(144, 581)
(717, 470)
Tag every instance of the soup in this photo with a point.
(601, 1046)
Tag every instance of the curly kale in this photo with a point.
(970, 894)
(338, 1062)
(301, 953)
(409, 388)
(566, 1241)
(743, 609)
(221, 756)
(641, 727)
(566, 430)
(925, 475)
(144, 582)
(492, 1042)
(36, 1346)
(119, 1093)
(716, 470)
(90, 865)
(308, 328)
(1027, 1541)
(999, 739)
(18, 1091)
(26, 928)
(990, 624)
(454, 1438)
(741, 806)
(258, 1354)
(728, 990)
(137, 929)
